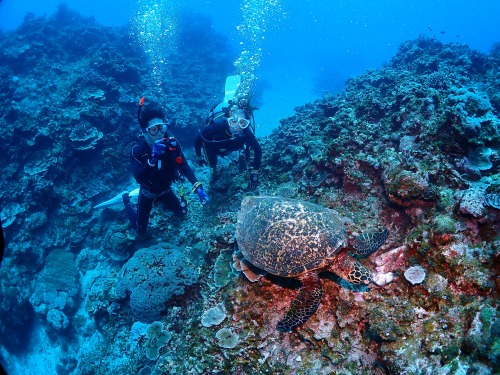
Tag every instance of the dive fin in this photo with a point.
(117, 199)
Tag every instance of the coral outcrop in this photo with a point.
(152, 277)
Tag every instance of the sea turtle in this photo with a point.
(298, 239)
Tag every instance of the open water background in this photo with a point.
(310, 46)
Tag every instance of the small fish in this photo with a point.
(442, 32)
(429, 27)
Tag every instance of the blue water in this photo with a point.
(310, 46)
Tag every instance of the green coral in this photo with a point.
(444, 224)
(487, 315)
(156, 338)
(446, 200)
(222, 268)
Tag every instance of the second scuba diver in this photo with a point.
(226, 134)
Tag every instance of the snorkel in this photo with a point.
(141, 103)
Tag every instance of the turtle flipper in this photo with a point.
(369, 242)
(304, 305)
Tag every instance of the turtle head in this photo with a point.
(359, 274)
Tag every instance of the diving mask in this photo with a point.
(154, 129)
(235, 121)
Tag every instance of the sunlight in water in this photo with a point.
(155, 26)
(258, 15)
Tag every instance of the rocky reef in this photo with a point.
(413, 146)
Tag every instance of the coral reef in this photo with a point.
(413, 146)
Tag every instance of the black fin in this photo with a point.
(304, 305)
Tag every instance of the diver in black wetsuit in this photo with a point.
(157, 161)
(227, 134)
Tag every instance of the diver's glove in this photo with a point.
(201, 162)
(158, 151)
(198, 189)
(254, 180)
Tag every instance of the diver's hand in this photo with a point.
(158, 151)
(202, 196)
(198, 189)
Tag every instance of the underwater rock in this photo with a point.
(381, 279)
(56, 285)
(91, 93)
(435, 283)
(39, 165)
(57, 319)
(444, 224)
(483, 333)
(480, 158)
(468, 170)
(471, 202)
(156, 338)
(84, 136)
(317, 178)
(405, 188)
(137, 332)
(473, 108)
(36, 220)
(119, 242)
(152, 277)
(286, 190)
(9, 213)
(16, 325)
(391, 260)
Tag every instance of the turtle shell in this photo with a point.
(288, 237)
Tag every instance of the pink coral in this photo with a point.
(391, 260)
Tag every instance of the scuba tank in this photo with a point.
(232, 84)
(222, 109)
(230, 99)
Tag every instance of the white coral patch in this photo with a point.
(382, 279)
(415, 274)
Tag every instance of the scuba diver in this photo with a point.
(229, 131)
(157, 161)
